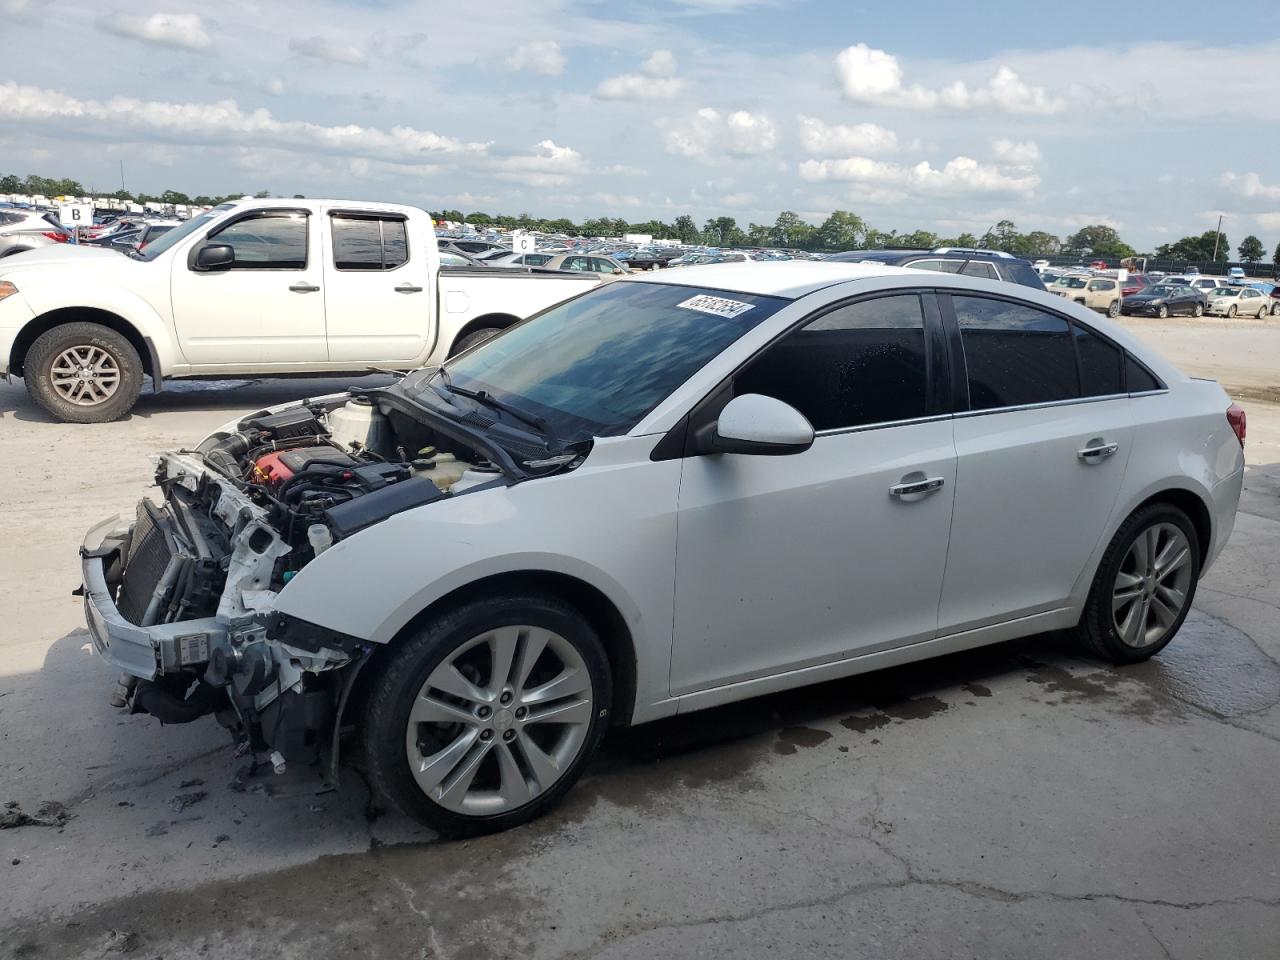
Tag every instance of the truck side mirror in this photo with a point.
(215, 256)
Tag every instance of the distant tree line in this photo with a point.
(842, 230)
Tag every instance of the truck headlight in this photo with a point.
(7, 289)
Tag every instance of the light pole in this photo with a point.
(1216, 237)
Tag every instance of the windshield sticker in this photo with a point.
(716, 306)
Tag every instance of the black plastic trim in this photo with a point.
(305, 635)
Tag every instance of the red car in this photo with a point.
(1134, 283)
(1098, 265)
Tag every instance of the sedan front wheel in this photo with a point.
(487, 715)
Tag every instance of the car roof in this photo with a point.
(781, 278)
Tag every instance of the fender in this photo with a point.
(154, 327)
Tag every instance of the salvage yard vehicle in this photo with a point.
(1096, 293)
(23, 230)
(1164, 300)
(671, 492)
(1237, 301)
(967, 261)
(250, 287)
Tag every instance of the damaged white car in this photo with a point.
(663, 495)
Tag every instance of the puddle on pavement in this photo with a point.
(792, 738)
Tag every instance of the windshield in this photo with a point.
(166, 240)
(1161, 291)
(1224, 292)
(596, 364)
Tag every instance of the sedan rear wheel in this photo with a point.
(1262, 311)
(1144, 585)
(1197, 310)
(488, 715)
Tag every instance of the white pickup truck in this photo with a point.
(253, 287)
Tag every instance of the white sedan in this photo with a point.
(1237, 301)
(672, 492)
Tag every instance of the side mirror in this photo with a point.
(756, 424)
(215, 256)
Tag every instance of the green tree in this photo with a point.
(10, 184)
(965, 240)
(686, 230)
(724, 232)
(1275, 262)
(757, 235)
(1196, 249)
(1251, 249)
(1098, 240)
(918, 239)
(173, 196)
(842, 231)
(1040, 242)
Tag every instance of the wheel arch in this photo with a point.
(1193, 505)
(490, 321)
(63, 315)
(596, 608)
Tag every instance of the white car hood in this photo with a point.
(59, 255)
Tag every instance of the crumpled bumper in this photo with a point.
(136, 650)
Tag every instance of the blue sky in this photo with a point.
(936, 115)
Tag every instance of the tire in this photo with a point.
(1231, 311)
(1275, 311)
(113, 383)
(1133, 629)
(1262, 312)
(1163, 312)
(1197, 311)
(1113, 311)
(474, 337)
(487, 781)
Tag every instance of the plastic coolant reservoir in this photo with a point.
(473, 477)
(442, 469)
(359, 421)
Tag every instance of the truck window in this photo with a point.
(267, 241)
(369, 243)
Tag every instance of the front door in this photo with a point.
(1042, 452)
(268, 308)
(378, 289)
(784, 562)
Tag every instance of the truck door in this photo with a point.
(378, 291)
(267, 307)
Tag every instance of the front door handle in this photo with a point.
(301, 287)
(1095, 451)
(916, 488)
(408, 288)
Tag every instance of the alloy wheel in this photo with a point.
(1153, 585)
(85, 375)
(499, 720)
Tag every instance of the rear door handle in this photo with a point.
(1095, 451)
(303, 287)
(914, 488)
(408, 288)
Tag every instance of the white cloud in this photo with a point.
(322, 48)
(875, 77)
(1268, 221)
(838, 140)
(185, 30)
(1250, 185)
(656, 80)
(960, 175)
(710, 134)
(550, 165)
(615, 200)
(1016, 154)
(538, 56)
(221, 122)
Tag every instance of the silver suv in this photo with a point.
(27, 229)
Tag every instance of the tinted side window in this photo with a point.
(268, 242)
(980, 268)
(859, 364)
(1015, 354)
(940, 266)
(368, 243)
(1022, 273)
(1137, 377)
(1101, 364)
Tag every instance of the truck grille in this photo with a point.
(151, 550)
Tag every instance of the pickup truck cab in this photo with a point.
(253, 287)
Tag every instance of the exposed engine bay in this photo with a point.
(189, 589)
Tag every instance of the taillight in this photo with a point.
(55, 237)
(1238, 421)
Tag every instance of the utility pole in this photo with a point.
(122, 177)
(1216, 237)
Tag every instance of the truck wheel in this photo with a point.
(83, 373)
(1114, 309)
(474, 337)
(488, 713)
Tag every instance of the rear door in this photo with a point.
(378, 302)
(1041, 455)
